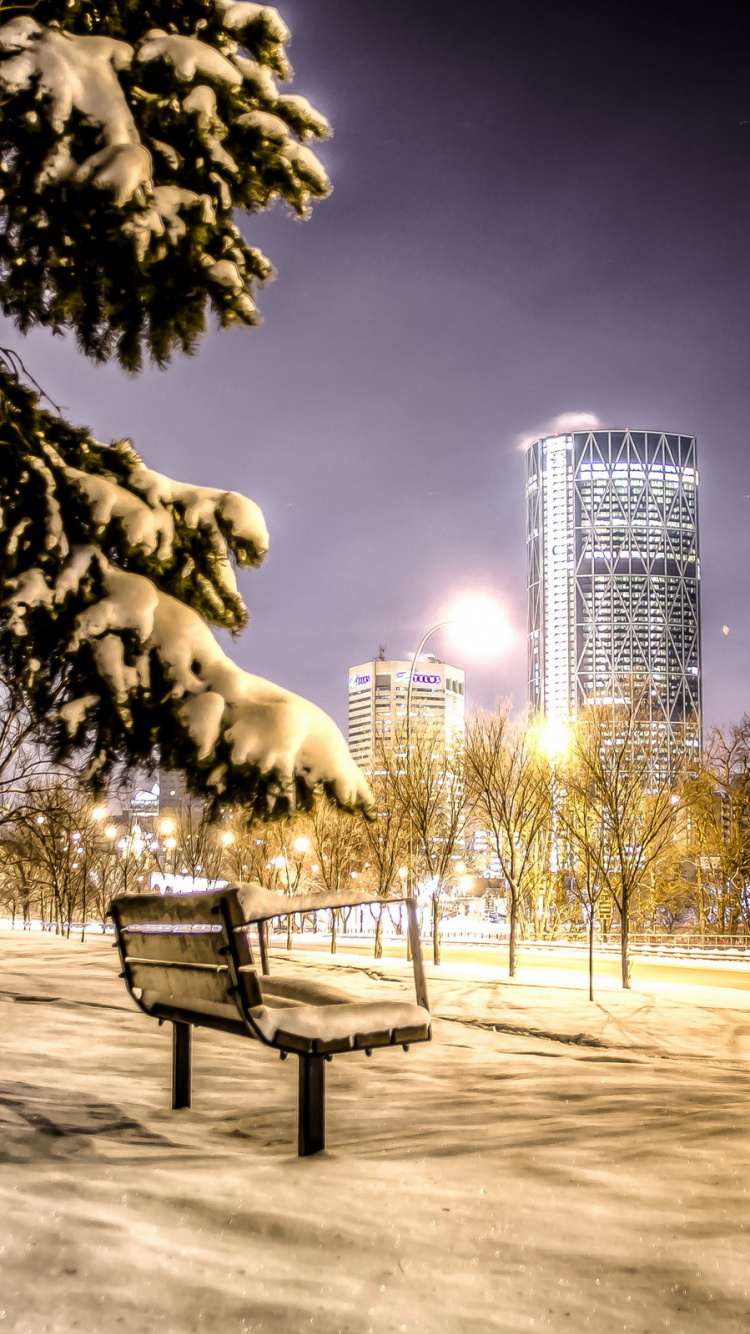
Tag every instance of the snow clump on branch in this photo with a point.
(111, 577)
(125, 150)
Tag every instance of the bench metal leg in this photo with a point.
(182, 1041)
(311, 1107)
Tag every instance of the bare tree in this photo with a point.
(337, 842)
(23, 765)
(193, 846)
(386, 838)
(18, 884)
(632, 802)
(720, 827)
(430, 788)
(587, 849)
(508, 779)
(54, 833)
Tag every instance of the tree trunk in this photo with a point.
(436, 929)
(289, 930)
(513, 934)
(334, 934)
(591, 949)
(625, 943)
(379, 936)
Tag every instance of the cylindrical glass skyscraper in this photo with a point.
(614, 577)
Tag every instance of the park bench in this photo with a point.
(189, 959)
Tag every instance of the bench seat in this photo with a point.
(358, 1026)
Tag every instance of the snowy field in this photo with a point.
(543, 1164)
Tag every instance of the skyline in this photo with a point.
(496, 252)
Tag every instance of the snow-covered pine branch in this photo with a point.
(109, 577)
(130, 135)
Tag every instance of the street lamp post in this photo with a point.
(480, 613)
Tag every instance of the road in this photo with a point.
(570, 963)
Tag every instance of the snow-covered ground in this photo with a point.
(594, 1178)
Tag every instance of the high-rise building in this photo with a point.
(377, 701)
(614, 577)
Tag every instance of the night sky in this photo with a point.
(538, 208)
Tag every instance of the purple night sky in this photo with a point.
(538, 208)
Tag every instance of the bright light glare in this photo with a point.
(99, 813)
(110, 831)
(301, 844)
(166, 826)
(480, 626)
(227, 839)
(554, 738)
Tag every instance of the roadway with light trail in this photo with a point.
(704, 972)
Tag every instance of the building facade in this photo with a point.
(377, 702)
(614, 578)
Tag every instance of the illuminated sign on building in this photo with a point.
(420, 678)
(359, 681)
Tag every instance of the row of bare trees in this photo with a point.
(573, 832)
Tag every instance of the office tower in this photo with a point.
(377, 701)
(614, 578)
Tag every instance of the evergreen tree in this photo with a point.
(131, 132)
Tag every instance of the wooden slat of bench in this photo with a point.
(226, 1022)
(177, 963)
(179, 909)
(176, 947)
(180, 985)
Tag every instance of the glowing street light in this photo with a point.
(301, 844)
(554, 738)
(99, 813)
(480, 626)
(166, 826)
(111, 832)
(227, 839)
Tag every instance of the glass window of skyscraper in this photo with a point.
(614, 577)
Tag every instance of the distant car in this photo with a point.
(493, 916)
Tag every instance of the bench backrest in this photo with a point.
(184, 958)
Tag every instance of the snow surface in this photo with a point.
(487, 1183)
(347, 1023)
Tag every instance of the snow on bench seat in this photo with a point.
(356, 1026)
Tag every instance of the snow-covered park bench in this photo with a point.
(190, 959)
